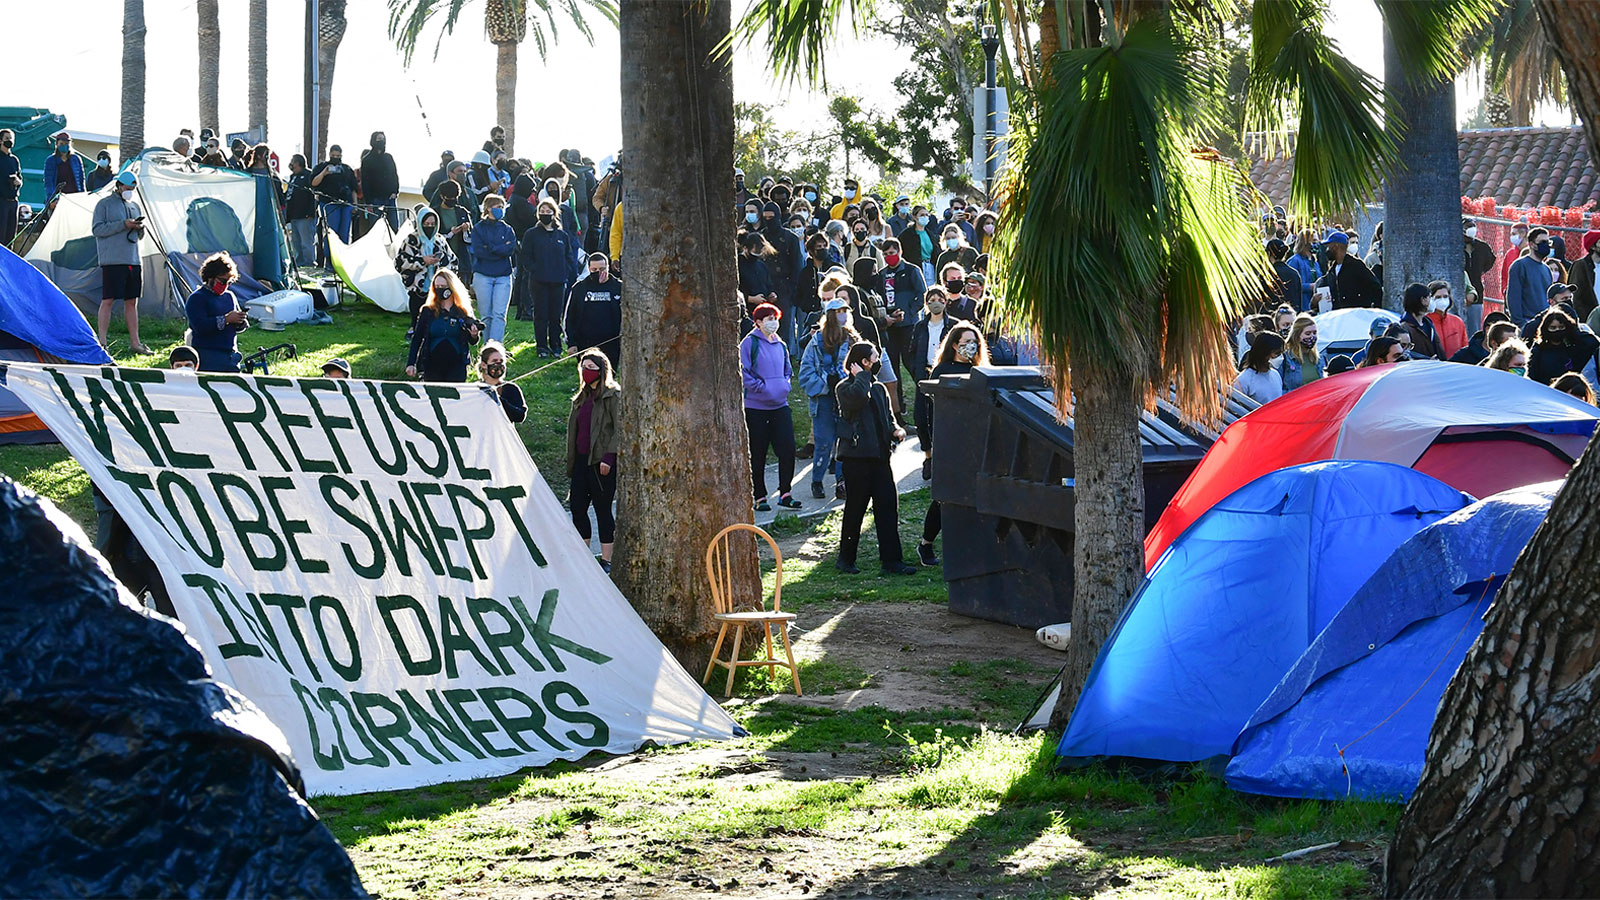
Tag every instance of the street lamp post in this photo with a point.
(991, 43)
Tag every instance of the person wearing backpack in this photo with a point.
(767, 373)
(821, 367)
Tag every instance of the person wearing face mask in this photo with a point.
(1301, 364)
(1451, 330)
(444, 333)
(300, 209)
(901, 286)
(1518, 238)
(493, 247)
(750, 216)
(984, 229)
(767, 373)
(926, 340)
(1417, 302)
(102, 174)
(63, 169)
(117, 226)
(1348, 281)
(955, 249)
(1583, 276)
(1560, 348)
(867, 437)
(594, 310)
(806, 297)
(860, 246)
(785, 263)
(954, 281)
(593, 441)
(422, 255)
(901, 218)
(492, 361)
(852, 196)
(755, 278)
(821, 366)
(10, 186)
(215, 317)
(1512, 356)
(1259, 379)
(336, 183)
(964, 347)
(1477, 258)
(878, 228)
(918, 244)
(1529, 279)
(741, 193)
(547, 254)
(380, 179)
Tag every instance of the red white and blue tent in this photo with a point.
(1477, 429)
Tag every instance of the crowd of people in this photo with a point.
(1546, 331)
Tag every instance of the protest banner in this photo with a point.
(378, 566)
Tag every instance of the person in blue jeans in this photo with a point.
(335, 182)
(821, 367)
(493, 246)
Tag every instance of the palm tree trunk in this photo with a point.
(684, 443)
(131, 140)
(1505, 805)
(505, 90)
(1422, 197)
(210, 50)
(330, 33)
(258, 67)
(1108, 562)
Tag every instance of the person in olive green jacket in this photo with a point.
(592, 436)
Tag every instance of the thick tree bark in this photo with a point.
(684, 463)
(505, 90)
(258, 66)
(1507, 802)
(209, 35)
(1422, 196)
(131, 140)
(330, 33)
(1108, 561)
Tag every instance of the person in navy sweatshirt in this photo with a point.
(768, 372)
(548, 256)
(594, 311)
(215, 317)
(493, 246)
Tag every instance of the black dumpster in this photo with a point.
(1003, 477)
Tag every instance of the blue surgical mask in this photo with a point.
(923, 221)
(751, 217)
(811, 196)
(499, 212)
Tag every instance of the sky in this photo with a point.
(569, 100)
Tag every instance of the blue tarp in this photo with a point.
(35, 310)
(1372, 681)
(1236, 600)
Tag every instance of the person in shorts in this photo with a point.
(118, 225)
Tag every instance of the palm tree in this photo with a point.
(506, 23)
(1519, 61)
(330, 31)
(258, 67)
(209, 34)
(131, 139)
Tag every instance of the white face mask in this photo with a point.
(1516, 239)
(1440, 304)
(769, 325)
(1472, 231)
(1276, 362)
(1355, 249)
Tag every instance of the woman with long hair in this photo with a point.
(423, 253)
(1559, 347)
(955, 249)
(984, 227)
(1381, 351)
(1300, 364)
(1572, 383)
(964, 347)
(593, 430)
(821, 367)
(1304, 261)
(492, 362)
(1259, 379)
(445, 329)
(867, 435)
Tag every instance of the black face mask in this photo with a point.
(954, 287)
(877, 367)
(546, 218)
(443, 292)
(379, 145)
(495, 370)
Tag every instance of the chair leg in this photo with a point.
(733, 664)
(772, 669)
(712, 665)
(783, 632)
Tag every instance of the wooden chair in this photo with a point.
(736, 615)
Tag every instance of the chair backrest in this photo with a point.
(719, 569)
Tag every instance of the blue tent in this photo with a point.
(1236, 600)
(1372, 681)
(37, 324)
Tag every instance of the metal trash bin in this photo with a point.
(1003, 476)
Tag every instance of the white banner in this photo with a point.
(379, 566)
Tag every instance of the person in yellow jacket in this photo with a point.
(852, 196)
(615, 238)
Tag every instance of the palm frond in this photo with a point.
(797, 34)
(1297, 75)
(410, 19)
(1429, 34)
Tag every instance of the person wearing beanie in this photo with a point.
(768, 374)
(1582, 276)
(1349, 282)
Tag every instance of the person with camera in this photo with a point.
(118, 225)
(867, 436)
(336, 183)
(445, 330)
(215, 317)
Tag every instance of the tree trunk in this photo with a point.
(209, 34)
(1422, 195)
(1108, 562)
(258, 67)
(684, 444)
(330, 33)
(1506, 806)
(1506, 802)
(131, 140)
(505, 91)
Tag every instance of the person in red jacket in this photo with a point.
(1519, 238)
(1451, 329)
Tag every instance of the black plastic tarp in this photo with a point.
(125, 770)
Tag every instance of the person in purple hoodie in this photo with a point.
(764, 363)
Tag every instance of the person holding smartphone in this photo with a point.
(215, 317)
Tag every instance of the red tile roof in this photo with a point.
(1516, 166)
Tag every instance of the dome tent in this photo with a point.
(37, 324)
(1371, 683)
(1479, 430)
(1237, 599)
